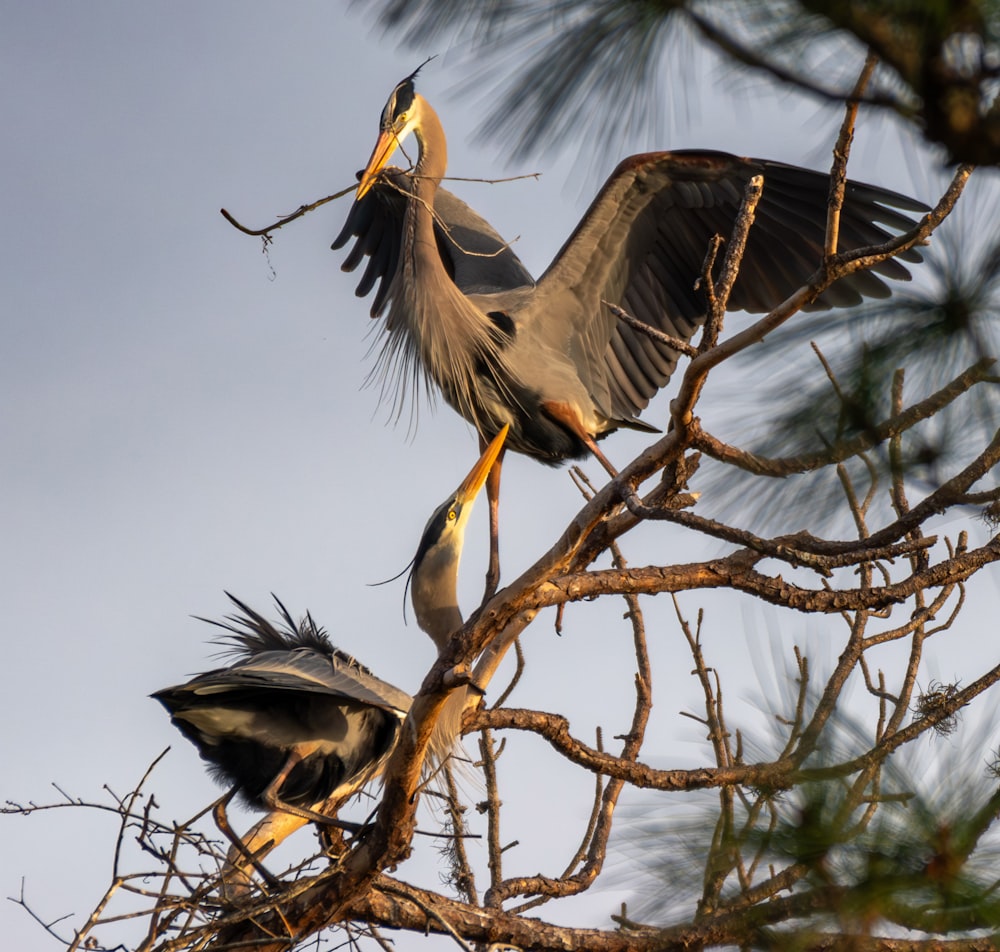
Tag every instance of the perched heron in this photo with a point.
(294, 721)
(297, 726)
(549, 358)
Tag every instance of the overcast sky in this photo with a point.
(183, 415)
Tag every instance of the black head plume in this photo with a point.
(401, 98)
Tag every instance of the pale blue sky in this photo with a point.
(183, 415)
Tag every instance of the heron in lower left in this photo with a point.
(297, 726)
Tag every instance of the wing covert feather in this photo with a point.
(307, 671)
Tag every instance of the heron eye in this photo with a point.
(452, 515)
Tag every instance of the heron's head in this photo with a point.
(435, 566)
(401, 116)
(445, 530)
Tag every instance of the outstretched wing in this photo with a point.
(643, 241)
(476, 257)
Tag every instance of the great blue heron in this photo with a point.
(295, 725)
(549, 358)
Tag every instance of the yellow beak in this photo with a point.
(384, 147)
(474, 481)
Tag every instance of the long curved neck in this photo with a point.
(451, 337)
(434, 589)
(432, 162)
(432, 158)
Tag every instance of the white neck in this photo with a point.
(434, 590)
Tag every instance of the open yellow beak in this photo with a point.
(475, 480)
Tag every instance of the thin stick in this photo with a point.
(841, 152)
(281, 222)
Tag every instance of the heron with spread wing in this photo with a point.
(297, 726)
(548, 357)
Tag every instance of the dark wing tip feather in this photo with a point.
(656, 216)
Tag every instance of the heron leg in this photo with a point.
(493, 498)
(285, 818)
(563, 413)
(235, 879)
(271, 798)
(312, 816)
(247, 853)
(601, 458)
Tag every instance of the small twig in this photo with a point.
(281, 222)
(388, 177)
(492, 809)
(734, 256)
(979, 372)
(48, 926)
(518, 672)
(497, 181)
(841, 152)
(428, 911)
(706, 280)
(717, 291)
(462, 875)
(681, 346)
